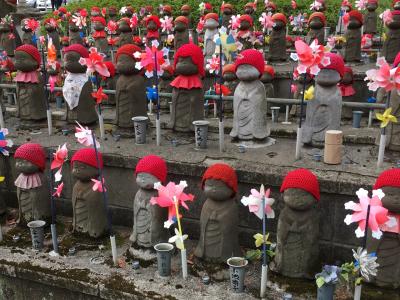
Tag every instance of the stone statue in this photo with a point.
(126, 35)
(89, 213)
(153, 24)
(245, 34)
(249, 100)
(110, 82)
(32, 186)
(324, 111)
(227, 12)
(391, 46)
(347, 91)
(267, 78)
(250, 9)
(298, 93)
(7, 36)
(166, 11)
(211, 29)
(316, 22)
(231, 82)
(51, 26)
(371, 17)
(185, 11)
(270, 7)
(181, 32)
(148, 219)
(352, 49)
(277, 42)
(74, 34)
(187, 93)
(219, 217)
(77, 89)
(28, 34)
(129, 104)
(164, 86)
(99, 35)
(297, 247)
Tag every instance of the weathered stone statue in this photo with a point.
(30, 92)
(153, 24)
(211, 29)
(77, 89)
(250, 9)
(27, 35)
(74, 34)
(277, 43)
(7, 36)
(352, 49)
(126, 35)
(347, 91)
(270, 7)
(227, 12)
(164, 86)
(99, 35)
(316, 22)
(219, 217)
(129, 104)
(148, 219)
(387, 248)
(297, 246)
(249, 100)
(245, 33)
(32, 187)
(185, 11)
(371, 17)
(89, 213)
(110, 82)
(298, 94)
(391, 46)
(324, 111)
(181, 32)
(51, 26)
(267, 78)
(187, 93)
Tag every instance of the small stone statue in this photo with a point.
(99, 35)
(28, 34)
(277, 43)
(270, 7)
(126, 35)
(391, 46)
(387, 248)
(231, 82)
(298, 93)
(51, 26)
(250, 9)
(347, 91)
(110, 82)
(352, 49)
(211, 26)
(185, 11)
(181, 32)
(77, 89)
(89, 213)
(164, 86)
(324, 111)
(32, 187)
(219, 219)
(148, 220)
(112, 14)
(249, 100)
(153, 24)
(30, 92)
(267, 78)
(227, 12)
(245, 34)
(166, 11)
(7, 36)
(371, 17)
(297, 248)
(187, 93)
(316, 22)
(129, 104)
(74, 34)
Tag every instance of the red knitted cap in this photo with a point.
(302, 179)
(100, 20)
(211, 16)
(128, 49)
(78, 48)
(357, 15)
(167, 8)
(110, 67)
(63, 10)
(185, 7)
(253, 5)
(336, 63)
(154, 165)
(155, 19)
(279, 17)
(193, 51)
(208, 6)
(372, 1)
(95, 8)
(269, 69)
(347, 3)
(396, 60)
(228, 68)
(182, 19)
(88, 157)
(33, 153)
(246, 18)
(319, 15)
(226, 5)
(389, 177)
(222, 172)
(251, 57)
(31, 50)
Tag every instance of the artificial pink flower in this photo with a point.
(58, 189)
(213, 64)
(4, 142)
(84, 136)
(386, 16)
(166, 24)
(53, 22)
(266, 20)
(147, 59)
(384, 77)
(309, 57)
(361, 4)
(254, 203)
(59, 157)
(31, 24)
(378, 215)
(95, 62)
(98, 186)
(99, 95)
(103, 11)
(294, 4)
(112, 27)
(234, 22)
(11, 36)
(79, 21)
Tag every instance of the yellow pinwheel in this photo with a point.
(259, 239)
(386, 117)
(2, 178)
(309, 93)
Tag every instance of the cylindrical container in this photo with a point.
(326, 292)
(237, 268)
(275, 113)
(357, 114)
(37, 233)
(201, 133)
(333, 147)
(59, 102)
(164, 253)
(140, 124)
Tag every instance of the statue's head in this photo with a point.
(220, 182)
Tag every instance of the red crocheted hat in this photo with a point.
(389, 177)
(182, 19)
(33, 153)
(279, 17)
(396, 62)
(251, 57)
(149, 8)
(78, 48)
(246, 18)
(253, 5)
(185, 7)
(336, 63)
(213, 16)
(301, 179)
(228, 68)
(110, 67)
(88, 157)
(31, 50)
(269, 69)
(154, 165)
(193, 51)
(372, 1)
(100, 20)
(128, 49)
(222, 172)
(319, 15)
(95, 8)
(226, 5)
(208, 6)
(167, 8)
(63, 10)
(155, 19)
(357, 15)
(347, 3)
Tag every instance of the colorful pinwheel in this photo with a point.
(229, 44)
(59, 158)
(31, 24)
(266, 21)
(293, 3)
(79, 21)
(361, 4)
(234, 22)
(95, 63)
(365, 263)
(386, 16)
(222, 89)
(315, 5)
(166, 24)
(254, 203)
(112, 27)
(386, 117)
(99, 95)
(178, 239)
(309, 93)
(384, 77)
(134, 21)
(84, 136)
(147, 59)
(97, 186)
(58, 189)
(213, 64)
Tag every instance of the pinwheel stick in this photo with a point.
(221, 104)
(299, 129)
(264, 269)
(183, 250)
(382, 142)
(101, 120)
(53, 209)
(366, 227)
(158, 123)
(46, 96)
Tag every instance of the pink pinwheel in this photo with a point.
(293, 4)
(386, 16)
(166, 24)
(316, 5)
(112, 27)
(378, 215)
(213, 64)
(234, 22)
(59, 189)
(266, 20)
(167, 195)
(84, 136)
(95, 63)
(11, 36)
(79, 21)
(31, 24)
(99, 95)
(384, 77)
(361, 4)
(134, 21)
(104, 11)
(147, 59)
(97, 186)
(59, 157)
(254, 203)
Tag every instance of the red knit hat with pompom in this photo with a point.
(31, 50)
(251, 57)
(213, 16)
(301, 179)
(222, 172)
(110, 67)
(319, 15)
(100, 20)
(154, 165)
(128, 49)
(33, 153)
(269, 69)
(78, 48)
(389, 177)
(396, 62)
(193, 51)
(155, 19)
(228, 68)
(246, 18)
(357, 15)
(336, 63)
(279, 17)
(183, 20)
(88, 157)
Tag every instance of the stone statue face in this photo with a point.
(270, 9)
(327, 77)
(180, 26)
(146, 181)
(84, 172)
(185, 12)
(347, 78)
(5, 28)
(278, 25)
(126, 65)
(391, 201)
(244, 25)
(166, 13)
(229, 76)
(124, 27)
(49, 28)
(98, 26)
(71, 62)
(316, 23)
(372, 6)
(26, 167)
(152, 26)
(354, 23)
(266, 78)
(227, 11)
(247, 73)
(185, 66)
(217, 190)
(346, 8)
(298, 199)
(24, 62)
(211, 24)
(248, 10)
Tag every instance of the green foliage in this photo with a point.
(256, 254)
